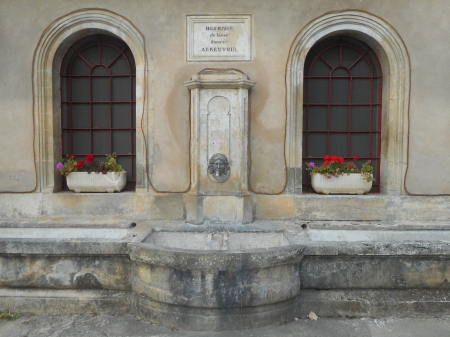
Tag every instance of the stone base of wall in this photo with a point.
(55, 301)
(139, 206)
(375, 303)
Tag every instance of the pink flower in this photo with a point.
(59, 166)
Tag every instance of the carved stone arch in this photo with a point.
(394, 58)
(53, 44)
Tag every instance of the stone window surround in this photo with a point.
(394, 58)
(52, 46)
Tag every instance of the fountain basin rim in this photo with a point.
(215, 259)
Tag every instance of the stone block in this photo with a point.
(275, 207)
(219, 209)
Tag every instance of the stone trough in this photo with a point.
(215, 277)
(216, 280)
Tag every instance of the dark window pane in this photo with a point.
(80, 67)
(121, 87)
(349, 56)
(121, 141)
(120, 66)
(80, 89)
(81, 116)
(361, 91)
(66, 143)
(64, 88)
(65, 115)
(320, 68)
(101, 89)
(339, 118)
(338, 144)
(121, 115)
(360, 144)
(101, 115)
(318, 118)
(81, 142)
(317, 144)
(331, 56)
(108, 55)
(360, 118)
(340, 90)
(91, 55)
(101, 141)
(100, 71)
(361, 68)
(318, 91)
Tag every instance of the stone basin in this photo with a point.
(215, 280)
(223, 240)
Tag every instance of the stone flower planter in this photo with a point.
(353, 183)
(96, 182)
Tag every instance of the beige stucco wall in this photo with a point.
(423, 26)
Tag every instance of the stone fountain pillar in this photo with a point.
(219, 148)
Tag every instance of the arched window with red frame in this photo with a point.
(342, 104)
(98, 102)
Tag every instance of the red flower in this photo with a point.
(350, 165)
(355, 157)
(333, 158)
(326, 162)
(71, 156)
(79, 163)
(327, 157)
(341, 159)
(89, 158)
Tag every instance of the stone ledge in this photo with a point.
(66, 301)
(375, 303)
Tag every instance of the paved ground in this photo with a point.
(128, 325)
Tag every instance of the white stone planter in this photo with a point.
(96, 182)
(353, 183)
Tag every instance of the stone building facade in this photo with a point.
(408, 38)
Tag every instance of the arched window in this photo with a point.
(98, 101)
(342, 104)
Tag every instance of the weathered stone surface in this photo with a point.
(219, 117)
(376, 303)
(275, 207)
(58, 301)
(194, 289)
(375, 272)
(351, 269)
(65, 272)
(216, 319)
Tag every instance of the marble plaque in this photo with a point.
(219, 37)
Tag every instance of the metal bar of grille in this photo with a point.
(362, 101)
(94, 75)
(340, 104)
(355, 77)
(95, 123)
